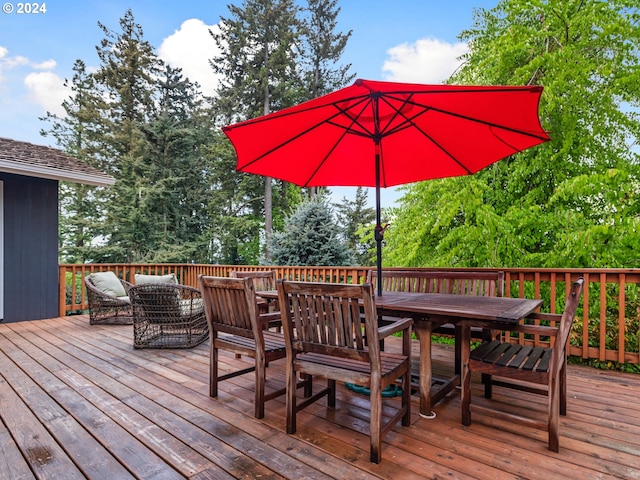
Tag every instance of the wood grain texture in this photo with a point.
(149, 413)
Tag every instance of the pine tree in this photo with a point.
(129, 67)
(353, 216)
(259, 44)
(324, 47)
(173, 173)
(78, 134)
(310, 237)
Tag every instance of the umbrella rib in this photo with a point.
(321, 163)
(409, 122)
(295, 137)
(427, 108)
(491, 124)
(286, 112)
(354, 119)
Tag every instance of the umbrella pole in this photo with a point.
(378, 232)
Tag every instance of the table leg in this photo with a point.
(423, 332)
(465, 339)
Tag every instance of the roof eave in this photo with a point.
(57, 174)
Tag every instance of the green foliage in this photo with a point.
(569, 202)
(353, 216)
(310, 237)
(177, 197)
(323, 48)
(258, 66)
(607, 365)
(258, 59)
(82, 207)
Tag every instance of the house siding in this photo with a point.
(30, 248)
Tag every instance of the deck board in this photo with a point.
(77, 401)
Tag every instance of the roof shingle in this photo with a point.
(24, 158)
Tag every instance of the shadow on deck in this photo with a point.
(77, 401)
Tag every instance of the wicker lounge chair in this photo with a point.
(167, 316)
(108, 299)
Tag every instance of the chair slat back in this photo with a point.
(230, 305)
(568, 315)
(325, 318)
(262, 280)
(421, 281)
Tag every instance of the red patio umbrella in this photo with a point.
(381, 134)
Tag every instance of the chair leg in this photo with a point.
(375, 423)
(331, 396)
(213, 371)
(553, 411)
(465, 380)
(406, 398)
(260, 382)
(563, 389)
(291, 398)
(458, 351)
(308, 384)
(488, 386)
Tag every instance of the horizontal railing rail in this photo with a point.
(606, 327)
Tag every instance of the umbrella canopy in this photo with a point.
(381, 134)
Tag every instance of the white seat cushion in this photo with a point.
(108, 283)
(169, 279)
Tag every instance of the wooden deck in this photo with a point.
(77, 401)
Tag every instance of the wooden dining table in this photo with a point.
(429, 310)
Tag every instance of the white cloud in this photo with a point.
(44, 88)
(47, 90)
(13, 62)
(46, 65)
(428, 60)
(190, 48)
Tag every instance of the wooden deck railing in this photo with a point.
(607, 326)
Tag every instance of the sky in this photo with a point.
(392, 40)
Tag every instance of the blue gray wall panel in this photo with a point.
(30, 248)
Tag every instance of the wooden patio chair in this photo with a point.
(438, 281)
(325, 336)
(536, 370)
(108, 299)
(262, 280)
(167, 316)
(236, 326)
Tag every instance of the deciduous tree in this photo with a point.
(571, 201)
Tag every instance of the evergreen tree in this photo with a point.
(127, 74)
(354, 216)
(236, 203)
(78, 134)
(310, 237)
(260, 49)
(171, 183)
(324, 47)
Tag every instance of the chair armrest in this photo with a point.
(526, 328)
(534, 330)
(271, 319)
(395, 327)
